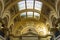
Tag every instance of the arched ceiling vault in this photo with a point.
(16, 1)
(18, 24)
(18, 13)
(11, 4)
(48, 5)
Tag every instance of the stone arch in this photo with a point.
(12, 4)
(52, 17)
(10, 28)
(1, 7)
(58, 7)
(57, 3)
(7, 15)
(54, 20)
(10, 23)
(28, 29)
(5, 21)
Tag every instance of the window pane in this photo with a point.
(21, 5)
(29, 0)
(29, 4)
(23, 14)
(36, 14)
(30, 14)
(38, 5)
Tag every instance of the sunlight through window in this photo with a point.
(29, 4)
(36, 14)
(21, 5)
(23, 14)
(30, 14)
(38, 5)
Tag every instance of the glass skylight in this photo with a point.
(38, 5)
(30, 14)
(23, 14)
(29, 4)
(36, 14)
(21, 5)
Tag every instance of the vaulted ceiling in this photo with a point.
(12, 18)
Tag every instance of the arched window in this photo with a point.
(21, 5)
(23, 15)
(30, 14)
(30, 4)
